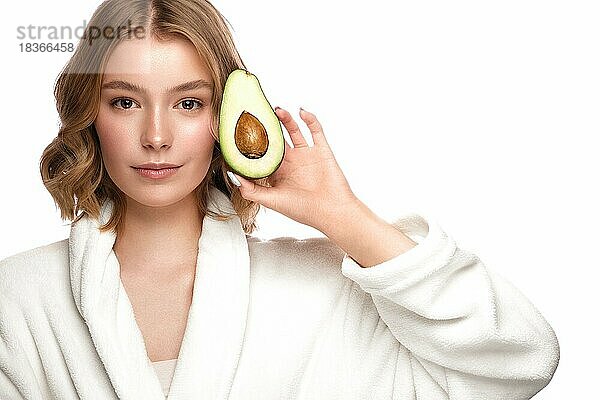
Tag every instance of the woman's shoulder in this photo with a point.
(319, 249)
(28, 269)
(304, 255)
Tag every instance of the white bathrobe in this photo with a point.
(277, 319)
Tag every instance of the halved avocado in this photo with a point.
(250, 134)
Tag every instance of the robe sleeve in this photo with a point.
(8, 390)
(464, 325)
(17, 378)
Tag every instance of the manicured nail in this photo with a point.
(233, 179)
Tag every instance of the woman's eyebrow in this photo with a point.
(183, 87)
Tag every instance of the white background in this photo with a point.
(482, 114)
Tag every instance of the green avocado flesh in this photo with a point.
(250, 134)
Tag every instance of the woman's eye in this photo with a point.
(125, 103)
(189, 104)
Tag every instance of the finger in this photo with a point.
(250, 190)
(292, 127)
(287, 145)
(315, 127)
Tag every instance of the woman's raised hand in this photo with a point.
(309, 186)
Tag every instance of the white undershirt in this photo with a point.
(164, 371)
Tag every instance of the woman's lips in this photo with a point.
(157, 173)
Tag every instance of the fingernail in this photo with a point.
(233, 179)
(276, 108)
(302, 109)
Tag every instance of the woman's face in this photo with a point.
(155, 107)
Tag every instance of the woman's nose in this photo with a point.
(156, 132)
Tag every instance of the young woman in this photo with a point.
(161, 291)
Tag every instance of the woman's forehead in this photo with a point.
(151, 58)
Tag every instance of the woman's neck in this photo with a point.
(159, 239)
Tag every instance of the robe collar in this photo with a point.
(214, 333)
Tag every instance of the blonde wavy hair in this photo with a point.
(71, 165)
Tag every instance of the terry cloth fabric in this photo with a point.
(276, 319)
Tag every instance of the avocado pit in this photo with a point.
(251, 137)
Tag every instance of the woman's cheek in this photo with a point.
(198, 140)
(113, 137)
